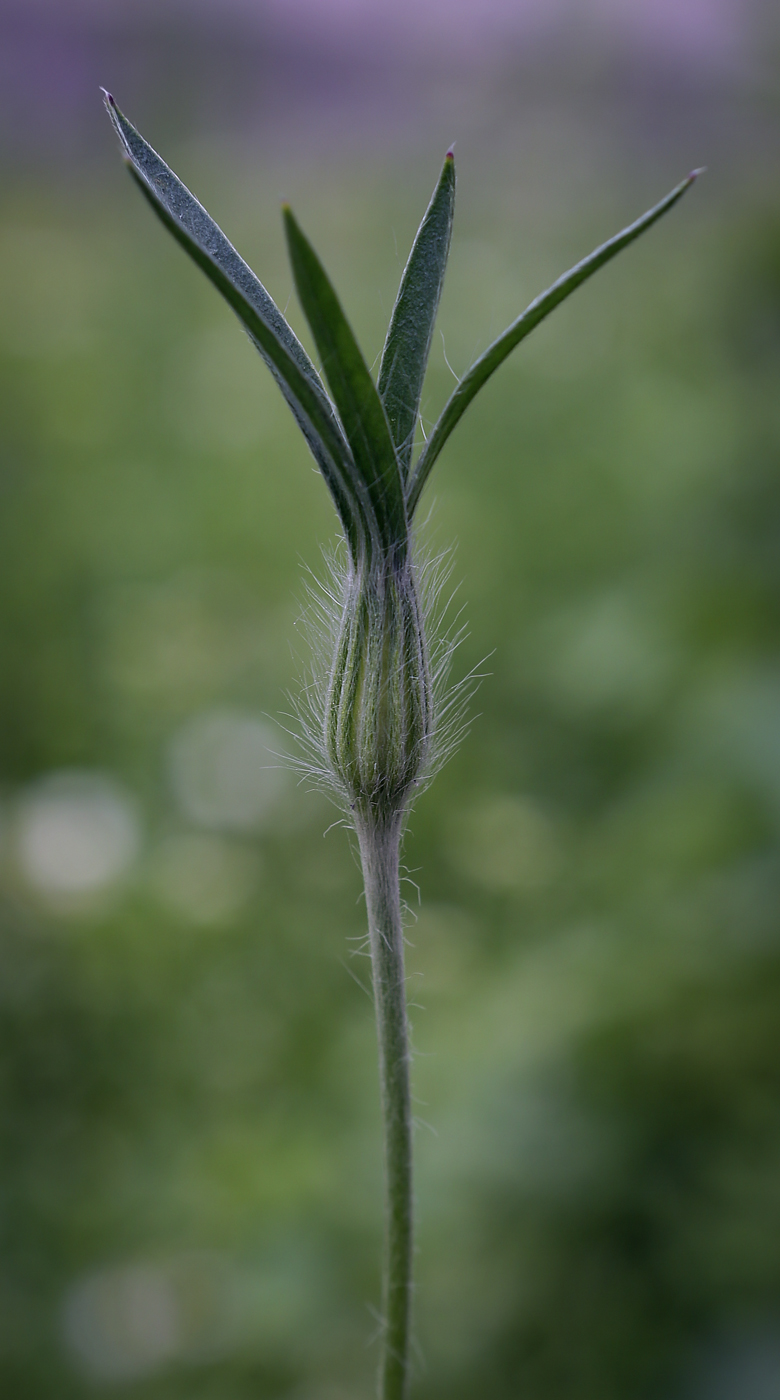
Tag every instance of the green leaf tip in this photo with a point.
(195, 230)
(408, 341)
(536, 312)
(357, 401)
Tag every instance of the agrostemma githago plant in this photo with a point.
(380, 716)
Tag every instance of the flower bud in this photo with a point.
(379, 710)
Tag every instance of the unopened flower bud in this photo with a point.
(379, 709)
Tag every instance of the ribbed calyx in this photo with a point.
(379, 714)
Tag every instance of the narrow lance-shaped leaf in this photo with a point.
(354, 392)
(409, 334)
(495, 355)
(291, 367)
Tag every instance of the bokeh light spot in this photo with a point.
(224, 771)
(76, 834)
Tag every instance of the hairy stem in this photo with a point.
(380, 842)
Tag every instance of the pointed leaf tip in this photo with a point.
(353, 389)
(700, 170)
(107, 97)
(540, 307)
(408, 339)
(206, 244)
(450, 154)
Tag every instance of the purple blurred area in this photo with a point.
(361, 72)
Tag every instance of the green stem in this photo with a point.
(380, 844)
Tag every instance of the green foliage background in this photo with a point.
(597, 948)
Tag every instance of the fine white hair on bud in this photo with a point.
(376, 715)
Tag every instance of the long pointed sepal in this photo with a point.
(207, 245)
(354, 392)
(487, 364)
(408, 341)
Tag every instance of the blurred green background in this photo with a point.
(191, 1177)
